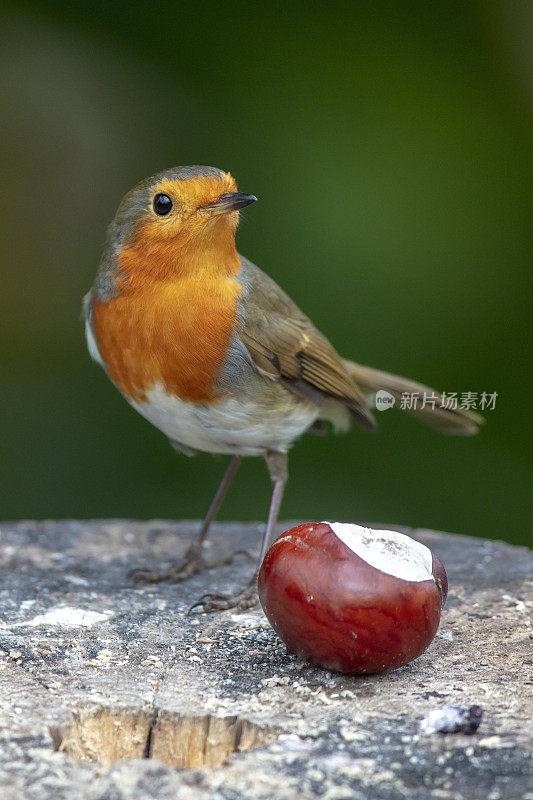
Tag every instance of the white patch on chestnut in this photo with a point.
(389, 551)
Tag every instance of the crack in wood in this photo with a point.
(148, 746)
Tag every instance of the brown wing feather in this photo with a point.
(283, 342)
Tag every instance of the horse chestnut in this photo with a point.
(352, 599)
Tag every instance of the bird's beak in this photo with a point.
(230, 201)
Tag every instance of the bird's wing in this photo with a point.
(285, 344)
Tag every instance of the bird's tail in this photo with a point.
(412, 398)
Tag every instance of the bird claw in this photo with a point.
(240, 601)
(192, 562)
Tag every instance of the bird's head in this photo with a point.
(172, 222)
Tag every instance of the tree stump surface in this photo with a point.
(109, 690)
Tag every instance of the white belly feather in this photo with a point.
(228, 426)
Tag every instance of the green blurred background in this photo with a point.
(390, 145)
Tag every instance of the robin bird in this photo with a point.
(212, 352)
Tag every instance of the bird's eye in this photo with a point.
(162, 204)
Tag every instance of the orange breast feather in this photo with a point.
(176, 333)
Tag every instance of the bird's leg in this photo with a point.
(277, 464)
(218, 499)
(193, 560)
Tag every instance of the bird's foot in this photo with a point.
(240, 601)
(193, 561)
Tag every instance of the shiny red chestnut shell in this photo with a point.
(334, 608)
